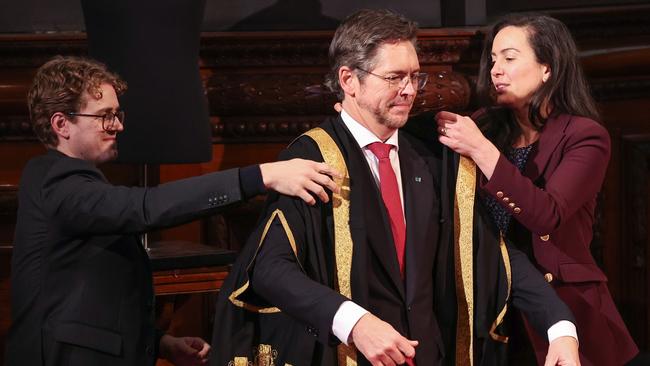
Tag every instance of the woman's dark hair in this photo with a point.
(566, 90)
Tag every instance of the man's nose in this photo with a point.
(119, 126)
(410, 88)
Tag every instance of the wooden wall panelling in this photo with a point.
(635, 219)
(610, 26)
(268, 87)
(615, 52)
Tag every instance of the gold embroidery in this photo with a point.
(263, 355)
(347, 355)
(233, 296)
(240, 361)
(464, 261)
(502, 313)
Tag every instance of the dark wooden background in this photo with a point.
(262, 89)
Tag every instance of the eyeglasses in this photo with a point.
(108, 118)
(417, 79)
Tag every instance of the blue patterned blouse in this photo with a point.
(518, 157)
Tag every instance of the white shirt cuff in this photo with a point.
(563, 328)
(345, 319)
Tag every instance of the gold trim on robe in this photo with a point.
(347, 355)
(506, 262)
(464, 265)
(464, 259)
(234, 296)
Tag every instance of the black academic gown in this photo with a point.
(269, 274)
(529, 293)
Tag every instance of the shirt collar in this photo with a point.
(364, 136)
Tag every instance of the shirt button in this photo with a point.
(511, 205)
(516, 210)
(545, 237)
(506, 199)
(499, 194)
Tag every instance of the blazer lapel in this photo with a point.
(418, 191)
(549, 139)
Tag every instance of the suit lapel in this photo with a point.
(549, 139)
(369, 205)
(418, 191)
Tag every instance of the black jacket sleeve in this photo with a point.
(291, 269)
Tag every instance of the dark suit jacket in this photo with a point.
(301, 285)
(553, 205)
(81, 282)
(529, 291)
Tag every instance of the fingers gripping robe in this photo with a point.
(300, 178)
(461, 134)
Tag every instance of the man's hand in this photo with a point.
(563, 351)
(298, 177)
(380, 343)
(184, 351)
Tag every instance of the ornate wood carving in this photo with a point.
(277, 106)
(260, 86)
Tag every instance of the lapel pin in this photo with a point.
(418, 179)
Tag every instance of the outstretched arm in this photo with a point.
(300, 178)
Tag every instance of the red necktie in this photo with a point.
(390, 195)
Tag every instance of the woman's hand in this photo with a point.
(461, 134)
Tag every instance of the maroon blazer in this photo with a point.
(554, 199)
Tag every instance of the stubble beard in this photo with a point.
(109, 155)
(392, 121)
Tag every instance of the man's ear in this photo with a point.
(60, 125)
(348, 81)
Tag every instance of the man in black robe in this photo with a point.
(330, 284)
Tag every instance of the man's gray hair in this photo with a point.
(358, 38)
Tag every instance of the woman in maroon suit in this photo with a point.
(543, 159)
